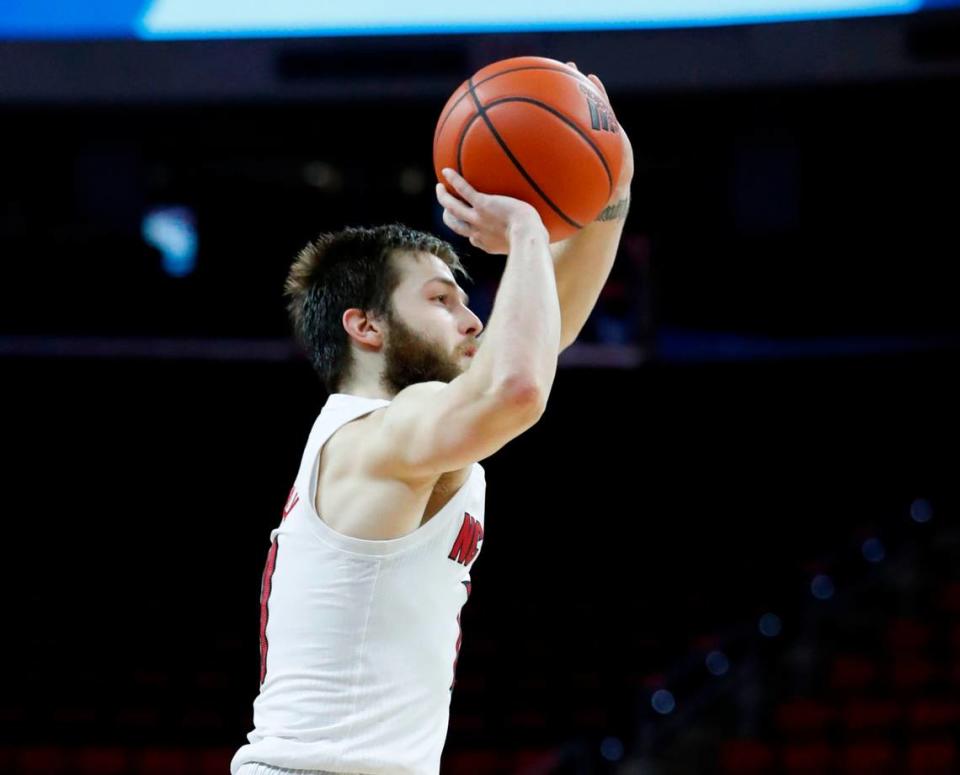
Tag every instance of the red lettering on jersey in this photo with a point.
(466, 546)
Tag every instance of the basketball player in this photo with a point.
(370, 564)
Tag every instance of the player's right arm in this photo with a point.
(431, 428)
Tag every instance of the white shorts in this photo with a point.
(258, 768)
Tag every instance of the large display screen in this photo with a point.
(198, 19)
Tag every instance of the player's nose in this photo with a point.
(471, 324)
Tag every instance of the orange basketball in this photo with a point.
(535, 129)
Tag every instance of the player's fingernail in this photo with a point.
(447, 171)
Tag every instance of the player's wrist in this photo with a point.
(527, 228)
(617, 208)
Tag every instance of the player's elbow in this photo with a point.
(526, 397)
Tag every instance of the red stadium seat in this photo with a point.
(475, 762)
(933, 714)
(41, 761)
(161, 761)
(872, 715)
(804, 716)
(807, 758)
(536, 761)
(912, 674)
(100, 761)
(907, 635)
(869, 758)
(746, 757)
(934, 757)
(212, 761)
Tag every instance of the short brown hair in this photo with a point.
(345, 269)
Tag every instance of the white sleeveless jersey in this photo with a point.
(358, 638)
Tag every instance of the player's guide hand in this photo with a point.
(486, 220)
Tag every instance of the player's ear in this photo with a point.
(363, 328)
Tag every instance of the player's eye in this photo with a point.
(442, 298)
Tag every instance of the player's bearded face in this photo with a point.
(412, 358)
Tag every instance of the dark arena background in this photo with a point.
(731, 545)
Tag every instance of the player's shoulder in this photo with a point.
(380, 435)
(421, 389)
(411, 399)
(407, 404)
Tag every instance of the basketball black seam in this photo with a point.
(567, 73)
(566, 120)
(482, 112)
(559, 115)
(463, 135)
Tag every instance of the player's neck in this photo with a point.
(366, 391)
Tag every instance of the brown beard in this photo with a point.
(411, 358)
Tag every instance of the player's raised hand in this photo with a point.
(487, 220)
(627, 166)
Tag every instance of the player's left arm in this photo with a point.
(583, 262)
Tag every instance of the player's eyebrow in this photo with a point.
(445, 281)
